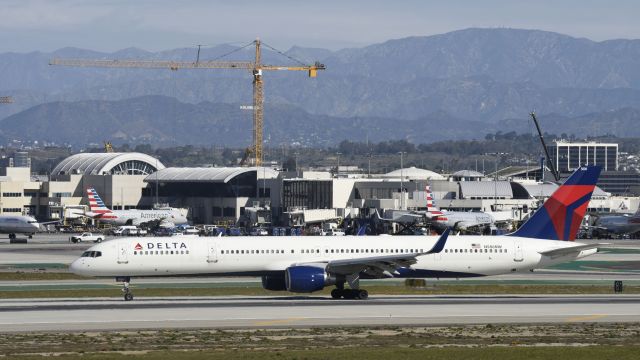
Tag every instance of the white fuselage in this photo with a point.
(137, 217)
(462, 256)
(18, 224)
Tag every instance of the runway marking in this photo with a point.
(585, 318)
(277, 322)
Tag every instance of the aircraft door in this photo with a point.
(517, 255)
(122, 253)
(212, 252)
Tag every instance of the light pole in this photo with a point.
(495, 180)
(338, 167)
(401, 179)
(297, 173)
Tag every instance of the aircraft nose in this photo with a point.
(77, 267)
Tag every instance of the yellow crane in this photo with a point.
(6, 100)
(256, 67)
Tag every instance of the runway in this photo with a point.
(18, 315)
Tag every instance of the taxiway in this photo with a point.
(19, 315)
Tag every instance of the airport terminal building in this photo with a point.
(263, 196)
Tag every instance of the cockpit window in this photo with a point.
(32, 221)
(92, 254)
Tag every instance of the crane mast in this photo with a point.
(256, 67)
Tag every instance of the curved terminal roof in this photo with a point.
(414, 173)
(108, 163)
(207, 174)
(468, 174)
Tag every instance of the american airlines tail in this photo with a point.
(96, 205)
(435, 212)
(561, 215)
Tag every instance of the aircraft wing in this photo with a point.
(382, 266)
(570, 250)
(50, 222)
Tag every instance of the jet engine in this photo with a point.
(274, 282)
(307, 278)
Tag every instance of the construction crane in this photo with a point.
(6, 100)
(544, 146)
(256, 67)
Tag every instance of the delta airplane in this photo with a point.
(99, 211)
(305, 265)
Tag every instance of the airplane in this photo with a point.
(20, 224)
(457, 220)
(98, 210)
(311, 264)
(617, 224)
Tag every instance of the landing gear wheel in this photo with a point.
(336, 293)
(12, 236)
(128, 295)
(362, 294)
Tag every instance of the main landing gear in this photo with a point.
(128, 295)
(360, 294)
(354, 293)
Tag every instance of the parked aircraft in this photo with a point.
(617, 224)
(19, 224)
(98, 210)
(457, 220)
(288, 263)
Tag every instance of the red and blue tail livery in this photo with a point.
(560, 216)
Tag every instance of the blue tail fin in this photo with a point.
(560, 216)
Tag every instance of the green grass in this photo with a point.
(26, 276)
(255, 290)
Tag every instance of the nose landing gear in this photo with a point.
(128, 295)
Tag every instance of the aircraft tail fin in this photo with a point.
(561, 215)
(96, 205)
(433, 210)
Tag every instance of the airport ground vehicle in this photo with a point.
(87, 236)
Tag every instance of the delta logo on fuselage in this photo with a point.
(162, 246)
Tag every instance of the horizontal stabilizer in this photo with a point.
(570, 250)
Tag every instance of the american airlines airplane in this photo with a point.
(462, 220)
(305, 265)
(99, 211)
(18, 224)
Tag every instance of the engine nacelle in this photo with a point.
(307, 278)
(274, 282)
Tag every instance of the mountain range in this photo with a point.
(461, 84)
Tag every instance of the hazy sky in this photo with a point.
(107, 25)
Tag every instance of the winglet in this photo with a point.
(439, 246)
